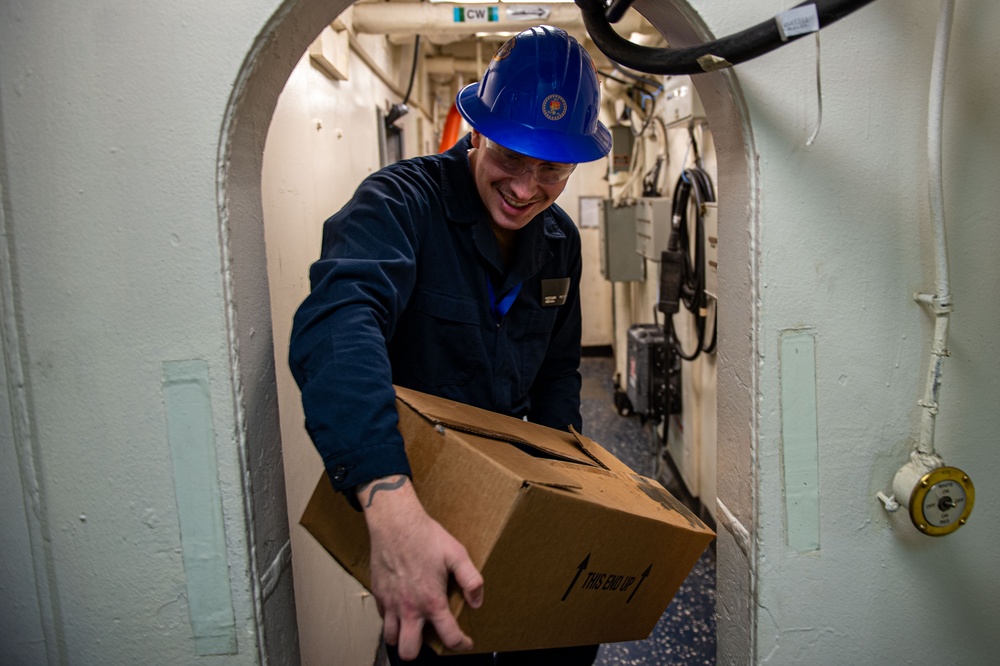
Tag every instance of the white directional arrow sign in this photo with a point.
(528, 13)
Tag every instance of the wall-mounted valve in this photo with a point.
(940, 498)
(942, 501)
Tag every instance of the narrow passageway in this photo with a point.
(685, 635)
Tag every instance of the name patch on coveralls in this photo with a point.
(554, 292)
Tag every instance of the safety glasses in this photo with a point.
(546, 173)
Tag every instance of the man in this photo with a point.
(454, 275)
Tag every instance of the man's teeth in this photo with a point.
(514, 203)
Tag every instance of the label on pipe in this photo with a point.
(797, 21)
(475, 15)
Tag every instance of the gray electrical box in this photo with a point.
(622, 143)
(619, 260)
(652, 226)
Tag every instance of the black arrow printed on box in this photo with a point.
(579, 570)
(642, 578)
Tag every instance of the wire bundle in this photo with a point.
(694, 185)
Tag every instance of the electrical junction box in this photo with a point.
(622, 141)
(647, 385)
(619, 260)
(711, 221)
(652, 226)
(681, 104)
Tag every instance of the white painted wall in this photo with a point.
(589, 180)
(840, 243)
(111, 123)
(322, 142)
(111, 117)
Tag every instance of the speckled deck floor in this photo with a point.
(686, 632)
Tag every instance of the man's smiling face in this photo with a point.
(513, 199)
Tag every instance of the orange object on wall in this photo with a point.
(452, 124)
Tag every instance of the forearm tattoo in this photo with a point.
(389, 483)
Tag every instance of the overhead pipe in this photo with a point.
(449, 66)
(431, 19)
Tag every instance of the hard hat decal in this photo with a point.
(505, 50)
(554, 107)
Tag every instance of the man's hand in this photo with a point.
(412, 557)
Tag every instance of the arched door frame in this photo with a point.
(262, 76)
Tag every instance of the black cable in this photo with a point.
(710, 349)
(413, 69)
(651, 181)
(694, 147)
(397, 111)
(692, 183)
(616, 10)
(724, 52)
(649, 114)
(611, 76)
(642, 79)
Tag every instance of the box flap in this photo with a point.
(531, 437)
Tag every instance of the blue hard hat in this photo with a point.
(540, 97)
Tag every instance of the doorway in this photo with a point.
(255, 321)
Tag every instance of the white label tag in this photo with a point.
(797, 21)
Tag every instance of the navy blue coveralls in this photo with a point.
(401, 294)
(404, 292)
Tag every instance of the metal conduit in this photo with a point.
(439, 19)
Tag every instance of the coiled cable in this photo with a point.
(695, 185)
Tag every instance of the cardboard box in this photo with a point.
(574, 546)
